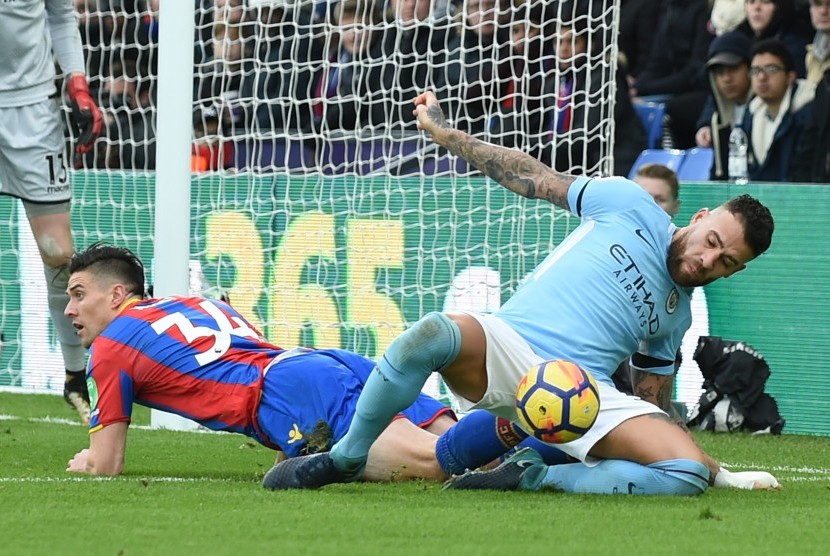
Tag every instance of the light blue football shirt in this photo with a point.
(605, 292)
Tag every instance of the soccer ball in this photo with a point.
(557, 401)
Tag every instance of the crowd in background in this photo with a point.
(528, 73)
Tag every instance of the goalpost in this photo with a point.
(314, 203)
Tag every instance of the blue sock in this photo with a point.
(683, 477)
(429, 345)
(478, 438)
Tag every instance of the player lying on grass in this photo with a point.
(619, 284)
(201, 359)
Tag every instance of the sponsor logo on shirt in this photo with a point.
(629, 276)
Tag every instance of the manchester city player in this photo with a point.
(619, 284)
(201, 359)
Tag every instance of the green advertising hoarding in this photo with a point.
(350, 262)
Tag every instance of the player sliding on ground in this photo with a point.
(201, 359)
(619, 284)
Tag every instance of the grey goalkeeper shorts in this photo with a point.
(32, 159)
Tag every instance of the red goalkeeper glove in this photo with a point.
(86, 117)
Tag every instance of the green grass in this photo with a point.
(187, 493)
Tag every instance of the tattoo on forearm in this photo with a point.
(515, 170)
(437, 115)
(657, 390)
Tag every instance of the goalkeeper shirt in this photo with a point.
(29, 31)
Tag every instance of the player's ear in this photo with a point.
(118, 295)
(699, 215)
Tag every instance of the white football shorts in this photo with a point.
(509, 357)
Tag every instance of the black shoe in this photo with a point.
(507, 476)
(76, 394)
(313, 471)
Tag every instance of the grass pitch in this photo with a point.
(189, 493)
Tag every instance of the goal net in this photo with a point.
(317, 205)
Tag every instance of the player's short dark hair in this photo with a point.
(661, 172)
(757, 220)
(118, 263)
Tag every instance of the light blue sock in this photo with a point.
(429, 345)
(683, 477)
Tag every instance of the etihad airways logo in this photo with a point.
(628, 275)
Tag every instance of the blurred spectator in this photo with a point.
(812, 160)
(521, 122)
(774, 19)
(638, 20)
(727, 15)
(219, 48)
(728, 72)
(474, 55)
(662, 184)
(278, 63)
(778, 113)
(818, 53)
(129, 117)
(417, 43)
(352, 90)
(209, 152)
(675, 66)
(578, 107)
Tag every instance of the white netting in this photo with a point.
(288, 127)
(314, 86)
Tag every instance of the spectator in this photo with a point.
(521, 122)
(279, 49)
(353, 88)
(728, 71)
(208, 152)
(812, 160)
(638, 20)
(418, 44)
(777, 114)
(675, 66)
(129, 116)
(474, 56)
(774, 19)
(578, 108)
(817, 60)
(577, 105)
(727, 15)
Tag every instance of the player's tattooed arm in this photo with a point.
(656, 389)
(517, 171)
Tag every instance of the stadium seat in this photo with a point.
(651, 114)
(672, 158)
(697, 165)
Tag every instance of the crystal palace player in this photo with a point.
(201, 359)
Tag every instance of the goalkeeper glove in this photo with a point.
(86, 117)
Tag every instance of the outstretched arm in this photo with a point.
(105, 455)
(517, 171)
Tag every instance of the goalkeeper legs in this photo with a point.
(51, 229)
